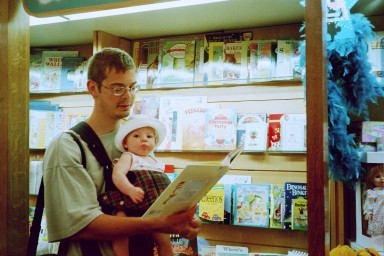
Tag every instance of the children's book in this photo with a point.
(193, 125)
(251, 204)
(209, 250)
(51, 68)
(215, 63)
(293, 132)
(256, 135)
(211, 206)
(233, 67)
(274, 134)
(170, 114)
(35, 72)
(376, 56)
(150, 105)
(220, 129)
(182, 246)
(284, 69)
(277, 201)
(247, 118)
(261, 60)
(292, 190)
(177, 62)
(190, 186)
(226, 250)
(68, 72)
(299, 218)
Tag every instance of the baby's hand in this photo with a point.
(368, 217)
(136, 194)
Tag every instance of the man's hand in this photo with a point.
(190, 232)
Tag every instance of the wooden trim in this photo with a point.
(103, 39)
(317, 128)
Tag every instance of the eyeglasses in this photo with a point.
(120, 90)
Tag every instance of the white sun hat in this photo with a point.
(138, 121)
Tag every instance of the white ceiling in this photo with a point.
(227, 15)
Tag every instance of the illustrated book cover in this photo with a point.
(220, 129)
(277, 201)
(251, 204)
(190, 186)
(170, 114)
(35, 63)
(51, 68)
(177, 62)
(234, 68)
(299, 220)
(247, 118)
(274, 135)
(292, 190)
(68, 72)
(211, 206)
(293, 132)
(256, 135)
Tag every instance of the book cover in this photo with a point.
(299, 214)
(68, 72)
(81, 77)
(182, 246)
(150, 105)
(284, 69)
(226, 250)
(37, 121)
(146, 58)
(193, 125)
(277, 200)
(228, 181)
(190, 186)
(51, 68)
(220, 129)
(261, 60)
(292, 190)
(215, 62)
(246, 118)
(256, 135)
(274, 135)
(177, 62)
(211, 206)
(208, 250)
(293, 132)
(233, 67)
(376, 56)
(170, 114)
(35, 64)
(251, 204)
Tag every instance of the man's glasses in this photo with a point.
(120, 90)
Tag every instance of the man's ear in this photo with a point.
(92, 88)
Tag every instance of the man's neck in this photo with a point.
(102, 125)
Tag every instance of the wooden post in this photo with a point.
(317, 128)
(14, 152)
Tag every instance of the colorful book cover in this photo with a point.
(232, 66)
(299, 214)
(51, 67)
(251, 204)
(293, 132)
(376, 56)
(182, 246)
(193, 125)
(226, 250)
(35, 66)
(284, 69)
(277, 200)
(292, 190)
(256, 135)
(177, 62)
(246, 118)
(261, 61)
(228, 181)
(170, 114)
(68, 72)
(220, 129)
(274, 132)
(150, 105)
(211, 206)
(215, 62)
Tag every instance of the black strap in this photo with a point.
(88, 247)
(96, 147)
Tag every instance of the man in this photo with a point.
(72, 209)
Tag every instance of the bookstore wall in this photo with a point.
(214, 92)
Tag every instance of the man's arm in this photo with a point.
(111, 227)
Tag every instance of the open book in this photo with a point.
(190, 186)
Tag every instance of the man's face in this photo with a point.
(117, 107)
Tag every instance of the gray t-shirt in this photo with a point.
(71, 191)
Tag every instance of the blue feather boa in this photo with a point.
(351, 86)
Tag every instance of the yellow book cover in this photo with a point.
(211, 206)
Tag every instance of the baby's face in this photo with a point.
(141, 141)
(378, 179)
